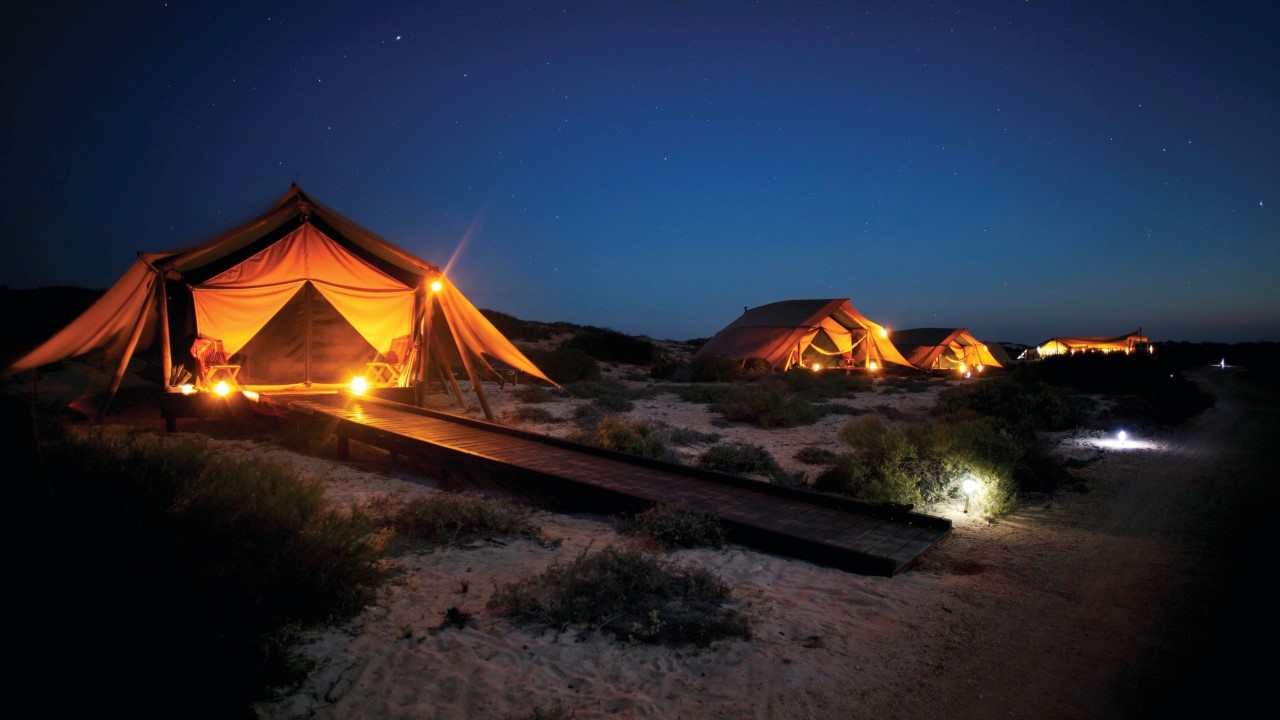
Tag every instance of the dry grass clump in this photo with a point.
(633, 595)
(454, 519)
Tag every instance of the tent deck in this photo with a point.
(822, 528)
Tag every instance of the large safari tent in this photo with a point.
(954, 349)
(1128, 343)
(299, 298)
(826, 332)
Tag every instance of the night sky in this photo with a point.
(1024, 169)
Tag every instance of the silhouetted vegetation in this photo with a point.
(635, 596)
(202, 567)
(674, 526)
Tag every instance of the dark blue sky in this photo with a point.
(1020, 168)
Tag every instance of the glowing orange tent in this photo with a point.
(300, 297)
(829, 332)
(1068, 345)
(946, 349)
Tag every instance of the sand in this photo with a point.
(1110, 603)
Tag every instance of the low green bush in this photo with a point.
(684, 437)
(533, 394)
(612, 346)
(714, 369)
(565, 365)
(740, 458)
(453, 518)
(614, 433)
(531, 414)
(671, 526)
(634, 596)
(767, 405)
(810, 455)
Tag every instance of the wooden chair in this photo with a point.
(386, 368)
(211, 363)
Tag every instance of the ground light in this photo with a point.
(359, 385)
(969, 486)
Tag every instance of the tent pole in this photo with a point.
(166, 353)
(423, 326)
(124, 361)
(447, 376)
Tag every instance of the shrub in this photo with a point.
(740, 458)
(632, 595)
(565, 365)
(453, 518)
(708, 394)
(612, 346)
(204, 566)
(811, 455)
(714, 368)
(534, 394)
(767, 405)
(614, 433)
(613, 403)
(676, 526)
(531, 414)
(685, 437)
(882, 468)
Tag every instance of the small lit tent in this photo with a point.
(298, 298)
(783, 334)
(945, 349)
(1068, 345)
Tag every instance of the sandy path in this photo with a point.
(1122, 603)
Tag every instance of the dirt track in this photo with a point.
(1146, 597)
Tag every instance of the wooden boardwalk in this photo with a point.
(819, 527)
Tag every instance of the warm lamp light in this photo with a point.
(222, 388)
(359, 385)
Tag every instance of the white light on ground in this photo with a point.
(968, 486)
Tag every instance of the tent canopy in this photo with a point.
(300, 296)
(1067, 345)
(944, 349)
(790, 332)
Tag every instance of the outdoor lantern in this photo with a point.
(359, 385)
(969, 486)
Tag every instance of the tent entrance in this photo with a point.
(307, 342)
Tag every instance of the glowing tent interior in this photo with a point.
(298, 298)
(953, 349)
(828, 332)
(1068, 345)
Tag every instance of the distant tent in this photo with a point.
(298, 298)
(1068, 345)
(945, 349)
(790, 332)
